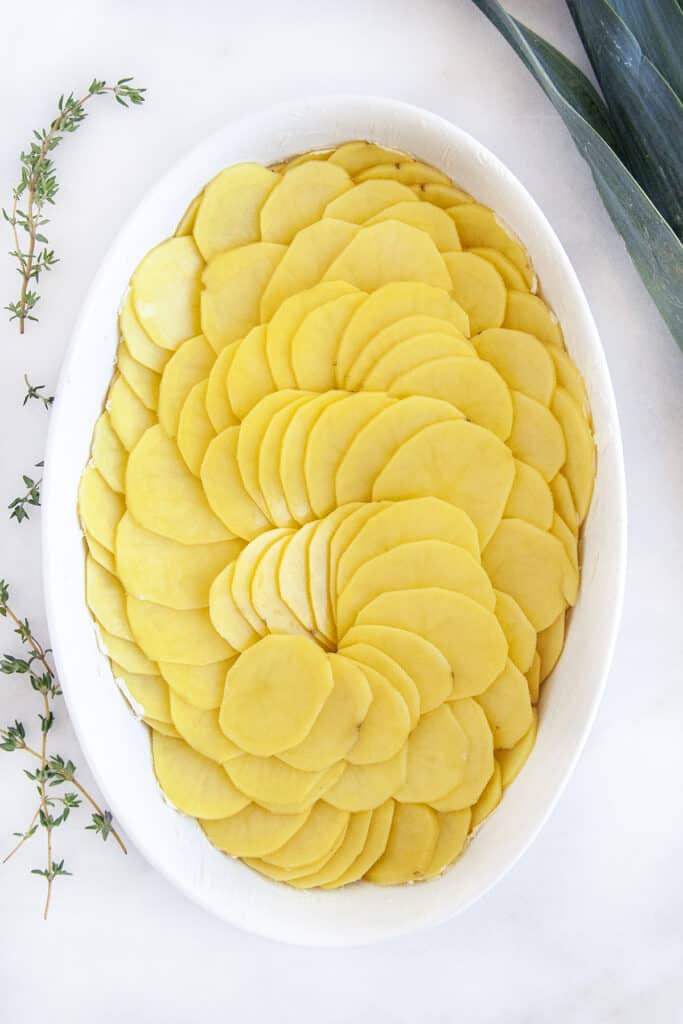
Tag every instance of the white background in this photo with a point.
(587, 928)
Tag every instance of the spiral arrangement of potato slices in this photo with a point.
(332, 513)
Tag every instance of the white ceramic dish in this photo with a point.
(117, 746)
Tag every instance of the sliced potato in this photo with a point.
(224, 488)
(323, 828)
(519, 633)
(269, 455)
(186, 222)
(430, 219)
(355, 157)
(389, 252)
(251, 436)
(108, 453)
(410, 354)
(489, 799)
(478, 762)
(392, 671)
(513, 760)
(550, 644)
(409, 172)
(265, 596)
(375, 844)
(292, 576)
(511, 274)
(165, 291)
(99, 508)
(453, 830)
(579, 468)
(346, 853)
(234, 283)
(569, 378)
(228, 214)
(479, 227)
(150, 692)
(245, 568)
(530, 498)
(292, 457)
(564, 502)
(529, 313)
(253, 831)
(533, 678)
(188, 365)
(276, 785)
(249, 377)
(143, 382)
(478, 288)
(363, 787)
(299, 199)
(193, 783)
(195, 431)
(199, 685)
(536, 436)
(365, 201)
(384, 342)
(127, 654)
(386, 726)
(167, 634)
(100, 553)
(507, 707)
(444, 196)
(437, 752)
(410, 848)
(315, 343)
(318, 566)
(106, 599)
(129, 417)
(521, 359)
(200, 729)
(225, 614)
(218, 407)
(138, 341)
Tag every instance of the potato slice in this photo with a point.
(195, 431)
(355, 157)
(522, 361)
(300, 198)
(386, 307)
(410, 354)
(234, 283)
(186, 222)
(330, 437)
(274, 784)
(200, 729)
(143, 382)
(291, 875)
(489, 799)
(324, 827)
(437, 752)
(512, 276)
(410, 848)
(527, 312)
(165, 497)
(274, 692)
(458, 462)
(472, 386)
(318, 569)
(386, 726)
(199, 685)
(560, 530)
(376, 442)
(106, 599)
(412, 566)
(564, 502)
(108, 453)
(167, 634)
(550, 644)
(294, 442)
(165, 290)
(468, 635)
(409, 172)
(249, 377)
(245, 568)
(305, 262)
(530, 498)
(149, 692)
(335, 730)
(127, 654)
(164, 728)
(138, 341)
(268, 456)
(224, 489)
(444, 196)
(385, 341)
(569, 378)
(193, 783)
(226, 616)
(99, 507)
(533, 678)
(188, 365)
(478, 761)
(292, 576)
(579, 468)
(536, 436)
(100, 553)
(375, 844)
(479, 227)
(314, 345)
(478, 288)
(228, 215)
(393, 672)
(386, 253)
(355, 838)
(363, 787)
(251, 438)
(532, 566)
(345, 533)
(368, 200)
(218, 406)
(253, 831)
(302, 158)
(507, 707)
(519, 633)
(454, 827)
(129, 417)
(155, 568)
(425, 665)
(430, 219)
(513, 760)
(265, 596)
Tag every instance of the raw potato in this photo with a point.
(234, 283)
(228, 214)
(165, 289)
(193, 783)
(300, 198)
(410, 172)
(249, 376)
(150, 692)
(189, 365)
(253, 831)
(218, 406)
(530, 498)
(106, 599)
(386, 725)
(199, 685)
(315, 342)
(276, 785)
(374, 847)
(405, 328)
(368, 656)
(478, 288)
(411, 353)
(166, 634)
(143, 382)
(453, 829)
(522, 361)
(362, 787)
(137, 341)
(478, 758)
(389, 252)
(108, 454)
(412, 842)
(513, 760)
(129, 417)
(195, 432)
(507, 707)
(437, 749)
(430, 219)
(526, 312)
(224, 489)
(478, 226)
(369, 200)
(200, 729)
(99, 507)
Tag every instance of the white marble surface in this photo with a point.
(587, 928)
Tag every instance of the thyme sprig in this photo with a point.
(38, 187)
(33, 391)
(19, 507)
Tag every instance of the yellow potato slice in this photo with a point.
(293, 452)
(489, 799)
(564, 502)
(300, 198)
(268, 483)
(479, 227)
(410, 354)
(453, 830)
(165, 291)
(579, 468)
(355, 157)
(469, 636)
(355, 838)
(471, 386)
(195, 431)
(218, 406)
(412, 566)
(276, 785)
(108, 453)
(379, 439)
(513, 760)
(234, 283)
(318, 568)
(314, 345)
(533, 678)
(375, 844)
(409, 172)
(253, 831)
(245, 567)
(274, 692)
(193, 783)
(478, 288)
(519, 633)
(330, 437)
(165, 497)
(99, 508)
(100, 553)
(127, 654)
(444, 196)
(106, 599)
(155, 568)
(550, 644)
(430, 219)
(200, 729)
(507, 707)
(345, 533)
(560, 530)
(322, 831)
(249, 377)
(167, 634)
(305, 261)
(149, 692)
(363, 202)
(224, 489)
(143, 382)
(292, 576)
(138, 342)
(385, 341)
(129, 417)
(199, 685)
(228, 214)
(386, 725)
(521, 360)
(386, 253)
(251, 437)
(188, 365)
(512, 276)
(335, 730)
(291, 875)
(425, 665)
(186, 223)
(536, 436)
(529, 313)
(569, 378)
(393, 672)
(265, 596)
(530, 498)
(302, 158)
(363, 787)
(165, 728)
(532, 566)
(437, 752)
(410, 848)
(226, 616)
(458, 462)
(478, 762)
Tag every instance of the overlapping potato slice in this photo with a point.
(392, 671)
(277, 786)
(106, 599)
(477, 287)
(193, 783)
(225, 492)
(410, 172)
(533, 678)
(151, 693)
(453, 829)
(108, 454)
(314, 345)
(536, 437)
(253, 831)
(430, 219)
(127, 654)
(390, 251)
(129, 417)
(513, 760)
(410, 847)
(299, 199)
(356, 157)
(293, 453)
(225, 614)
(186, 222)
(409, 354)
(320, 833)
(489, 799)
(228, 212)
(168, 634)
(199, 685)
(100, 553)
(99, 507)
(386, 725)
(353, 842)
(519, 633)
(137, 341)
(370, 199)
(437, 749)
(234, 283)
(218, 408)
(200, 729)
(373, 848)
(444, 196)
(188, 365)
(579, 468)
(251, 441)
(512, 275)
(529, 313)
(384, 344)
(165, 291)
(507, 706)
(266, 599)
(530, 497)
(478, 757)
(550, 644)
(479, 227)
(318, 568)
(522, 361)
(195, 430)
(144, 383)
(363, 787)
